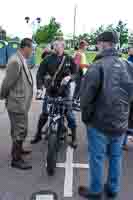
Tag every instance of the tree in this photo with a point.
(85, 36)
(93, 35)
(47, 33)
(130, 40)
(110, 27)
(100, 30)
(92, 38)
(2, 34)
(59, 35)
(89, 37)
(122, 29)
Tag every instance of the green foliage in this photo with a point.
(47, 33)
(121, 28)
(130, 40)
(38, 55)
(8, 38)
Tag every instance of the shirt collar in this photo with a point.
(22, 56)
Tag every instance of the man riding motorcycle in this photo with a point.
(48, 71)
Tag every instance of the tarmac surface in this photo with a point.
(72, 166)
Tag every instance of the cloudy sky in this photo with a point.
(90, 14)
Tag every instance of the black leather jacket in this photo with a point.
(48, 67)
(107, 93)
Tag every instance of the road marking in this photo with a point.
(74, 165)
(69, 165)
(68, 173)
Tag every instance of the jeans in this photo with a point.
(77, 87)
(71, 120)
(125, 140)
(98, 146)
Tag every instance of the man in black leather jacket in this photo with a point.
(46, 71)
(105, 104)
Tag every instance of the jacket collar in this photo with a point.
(107, 52)
(26, 70)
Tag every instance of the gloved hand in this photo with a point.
(65, 80)
(39, 94)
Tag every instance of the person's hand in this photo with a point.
(65, 80)
(39, 94)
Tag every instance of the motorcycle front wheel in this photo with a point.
(52, 153)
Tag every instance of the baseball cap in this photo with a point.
(108, 36)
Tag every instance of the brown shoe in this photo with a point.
(17, 161)
(25, 152)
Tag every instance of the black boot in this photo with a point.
(85, 193)
(17, 161)
(73, 143)
(37, 138)
(109, 193)
(42, 121)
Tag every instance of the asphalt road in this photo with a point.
(72, 168)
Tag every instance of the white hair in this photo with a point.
(58, 42)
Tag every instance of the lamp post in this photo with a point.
(2, 34)
(33, 24)
(74, 25)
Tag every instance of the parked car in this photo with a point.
(92, 48)
(124, 50)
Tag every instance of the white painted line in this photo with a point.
(74, 165)
(69, 166)
(68, 184)
(78, 165)
(61, 165)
